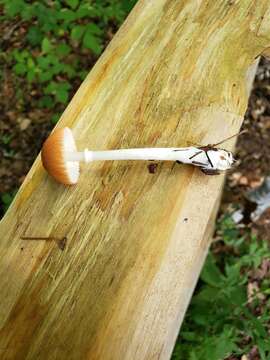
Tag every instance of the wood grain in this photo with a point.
(175, 73)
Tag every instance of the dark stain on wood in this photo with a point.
(152, 168)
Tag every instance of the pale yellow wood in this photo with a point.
(175, 73)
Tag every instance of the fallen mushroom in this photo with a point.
(61, 158)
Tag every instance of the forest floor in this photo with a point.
(253, 153)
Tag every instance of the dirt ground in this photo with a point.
(253, 154)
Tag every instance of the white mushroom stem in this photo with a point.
(133, 154)
(219, 159)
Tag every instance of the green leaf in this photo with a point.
(13, 7)
(94, 29)
(193, 356)
(85, 10)
(127, 5)
(20, 56)
(257, 327)
(47, 16)
(46, 102)
(45, 76)
(236, 294)
(20, 69)
(62, 50)
(34, 35)
(219, 347)
(31, 75)
(51, 88)
(211, 273)
(264, 348)
(55, 118)
(69, 70)
(59, 90)
(189, 335)
(28, 12)
(62, 95)
(30, 63)
(92, 42)
(7, 199)
(72, 3)
(46, 45)
(77, 32)
(83, 74)
(6, 139)
(207, 294)
(66, 15)
(233, 273)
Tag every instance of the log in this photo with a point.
(175, 74)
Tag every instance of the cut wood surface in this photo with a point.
(175, 74)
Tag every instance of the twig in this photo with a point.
(61, 242)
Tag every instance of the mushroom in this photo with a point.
(61, 158)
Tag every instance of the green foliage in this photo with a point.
(6, 199)
(59, 42)
(62, 38)
(5, 140)
(220, 317)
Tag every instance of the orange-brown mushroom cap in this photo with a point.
(53, 155)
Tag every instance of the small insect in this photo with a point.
(216, 159)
